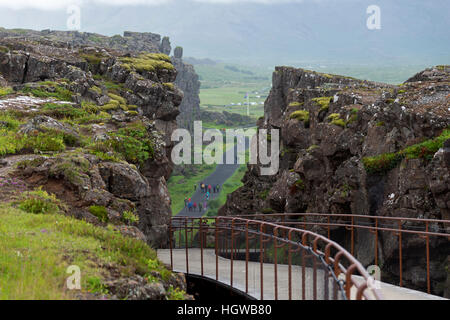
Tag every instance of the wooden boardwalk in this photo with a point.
(325, 288)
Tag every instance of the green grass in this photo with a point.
(131, 143)
(218, 99)
(59, 91)
(9, 122)
(224, 84)
(12, 142)
(36, 249)
(60, 111)
(221, 74)
(255, 111)
(39, 202)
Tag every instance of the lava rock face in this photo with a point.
(110, 115)
(188, 81)
(131, 42)
(358, 147)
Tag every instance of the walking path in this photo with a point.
(388, 291)
(222, 173)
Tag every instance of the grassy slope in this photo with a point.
(35, 251)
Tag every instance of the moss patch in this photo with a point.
(5, 91)
(324, 103)
(335, 118)
(100, 212)
(150, 62)
(383, 163)
(300, 115)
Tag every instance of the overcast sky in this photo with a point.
(279, 31)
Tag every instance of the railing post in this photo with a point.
(376, 241)
(328, 227)
(186, 244)
(275, 261)
(232, 252)
(314, 271)
(246, 257)
(400, 256)
(353, 238)
(217, 248)
(261, 258)
(304, 243)
(290, 265)
(201, 243)
(170, 244)
(428, 259)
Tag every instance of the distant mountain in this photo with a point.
(205, 61)
(312, 31)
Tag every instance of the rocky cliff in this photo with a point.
(357, 147)
(91, 125)
(187, 80)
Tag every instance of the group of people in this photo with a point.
(206, 189)
(193, 206)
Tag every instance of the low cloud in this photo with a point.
(249, 1)
(50, 5)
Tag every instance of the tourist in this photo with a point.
(200, 207)
(190, 206)
(218, 188)
(195, 206)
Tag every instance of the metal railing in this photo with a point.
(422, 230)
(290, 263)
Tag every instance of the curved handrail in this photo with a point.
(338, 264)
(398, 226)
